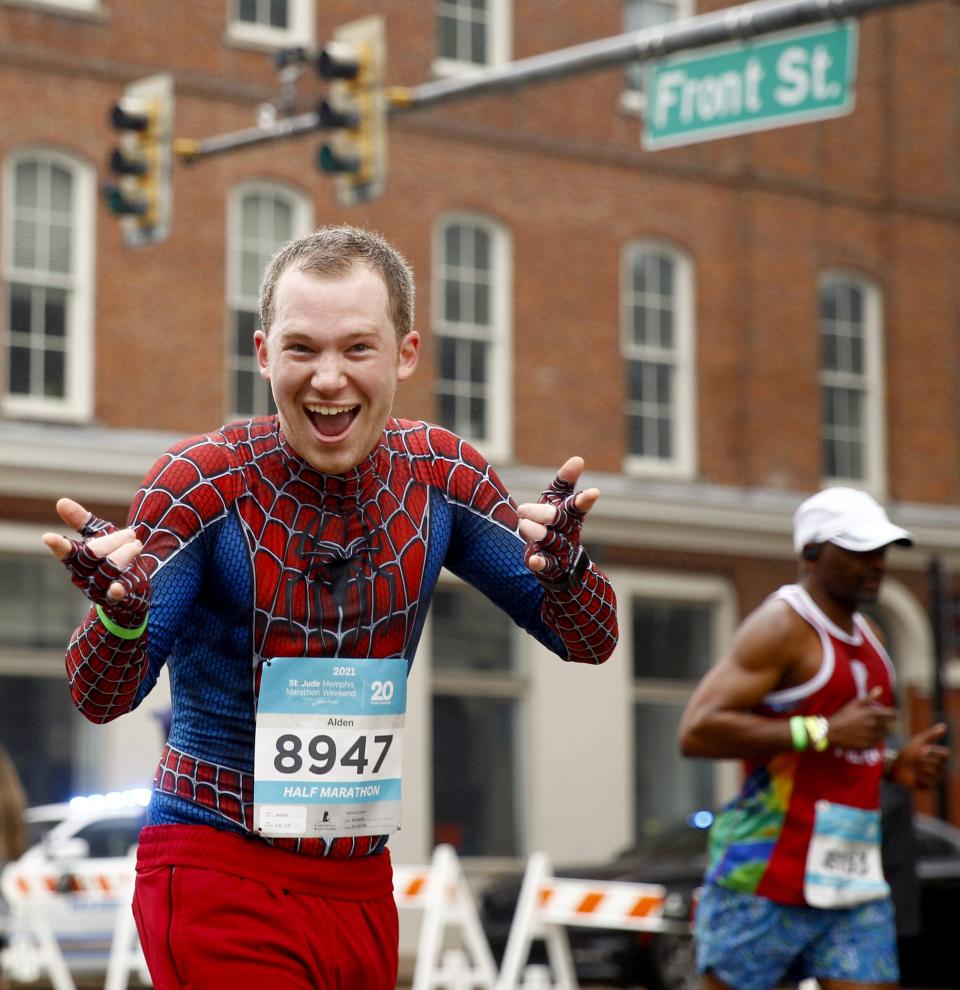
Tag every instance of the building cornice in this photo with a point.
(106, 466)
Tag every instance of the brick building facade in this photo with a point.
(719, 329)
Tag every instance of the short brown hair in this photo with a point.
(335, 251)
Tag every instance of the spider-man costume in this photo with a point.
(251, 554)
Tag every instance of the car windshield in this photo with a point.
(682, 840)
(38, 828)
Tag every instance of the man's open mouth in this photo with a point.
(331, 421)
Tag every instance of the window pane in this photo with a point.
(470, 632)
(55, 313)
(251, 272)
(451, 296)
(20, 308)
(475, 807)
(481, 249)
(667, 787)
(446, 410)
(282, 222)
(25, 244)
(481, 305)
(664, 439)
(54, 380)
(243, 382)
(247, 10)
(19, 383)
(672, 640)
(40, 728)
(478, 418)
(478, 44)
(447, 352)
(245, 325)
(38, 609)
(27, 179)
(478, 362)
(61, 190)
(278, 13)
(446, 37)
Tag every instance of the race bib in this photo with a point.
(843, 859)
(327, 758)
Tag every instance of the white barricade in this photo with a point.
(548, 904)
(440, 890)
(32, 889)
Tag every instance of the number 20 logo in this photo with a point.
(381, 692)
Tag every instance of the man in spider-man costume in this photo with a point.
(318, 533)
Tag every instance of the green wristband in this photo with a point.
(798, 733)
(119, 630)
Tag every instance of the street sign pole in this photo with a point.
(732, 24)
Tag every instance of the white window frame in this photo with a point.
(672, 586)
(634, 101)
(302, 210)
(682, 357)
(872, 383)
(496, 445)
(300, 30)
(499, 42)
(67, 7)
(77, 404)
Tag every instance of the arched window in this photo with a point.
(262, 218)
(48, 233)
(472, 288)
(851, 378)
(658, 344)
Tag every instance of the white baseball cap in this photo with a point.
(847, 517)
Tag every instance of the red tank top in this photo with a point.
(760, 840)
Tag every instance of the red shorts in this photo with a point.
(218, 910)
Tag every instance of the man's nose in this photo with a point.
(327, 372)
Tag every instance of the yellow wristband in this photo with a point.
(120, 631)
(817, 728)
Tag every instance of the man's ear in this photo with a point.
(260, 343)
(409, 355)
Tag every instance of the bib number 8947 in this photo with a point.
(322, 750)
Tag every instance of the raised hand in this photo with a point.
(103, 565)
(551, 526)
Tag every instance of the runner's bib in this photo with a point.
(327, 758)
(843, 859)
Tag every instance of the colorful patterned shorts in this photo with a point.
(751, 943)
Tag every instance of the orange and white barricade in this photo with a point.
(549, 904)
(440, 890)
(31, 889)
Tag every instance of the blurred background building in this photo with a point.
(719, 329)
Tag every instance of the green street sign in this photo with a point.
(772, 81)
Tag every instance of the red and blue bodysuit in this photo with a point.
(250, 554)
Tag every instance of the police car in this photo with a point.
(70, 844)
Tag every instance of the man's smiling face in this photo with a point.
(333, 361)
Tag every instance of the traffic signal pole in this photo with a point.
(739, 23)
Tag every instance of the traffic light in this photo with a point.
(355, 113)
(141, 191)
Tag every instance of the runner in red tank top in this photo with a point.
(795, 886)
